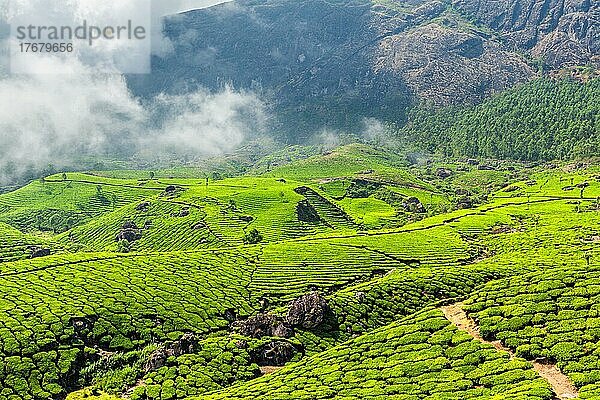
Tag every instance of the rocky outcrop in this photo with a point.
(445, 65)
(369, 59)
(414, 205)
(443, 173)
(308, 311)
(307, 213)
(331, 64)
(144, 206)
(263, 325)
(158, 358)
(562, 32)
(275, 353)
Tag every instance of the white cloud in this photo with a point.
(204, 123)
(46, 118)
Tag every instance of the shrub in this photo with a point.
(253, 237)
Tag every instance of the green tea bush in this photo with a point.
(416, 364)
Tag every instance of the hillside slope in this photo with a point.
(545, 119)
(332, 63)
(338, 311)
(562, 33)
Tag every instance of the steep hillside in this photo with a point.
(543, 120)
(561, 33)
(324, 63)
(332, 63)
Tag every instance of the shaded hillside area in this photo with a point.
(331, 64)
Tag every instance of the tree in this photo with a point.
(542, 120)
(253, 237)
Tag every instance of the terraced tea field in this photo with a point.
(347, 275)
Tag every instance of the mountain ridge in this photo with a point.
(333, 63)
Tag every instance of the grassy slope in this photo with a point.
(353, 160)
(58, 205)
(553, 315)
(15, 245)
(128, 301)
(420, 357)
(222, 212)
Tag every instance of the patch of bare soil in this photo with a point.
(592, 239)
(269, 370)
(561, 384)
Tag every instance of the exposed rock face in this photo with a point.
(332, 63)
(283, 330)
(276, 353)
(369, 59)
(262, 325)
(414, 205)
(185, 345)
(563, 32)
(256, 327)
(443, 173)
(143, 206)
(308, 312)
(445, 65)
(464, 203)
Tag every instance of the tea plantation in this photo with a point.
(307, 277)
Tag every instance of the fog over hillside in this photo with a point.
(225, 73)
(60, 118)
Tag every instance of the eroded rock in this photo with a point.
(308, 312)
(414, 205)
(258, 326)
(185, 345)
(443, 173)
(276, 353)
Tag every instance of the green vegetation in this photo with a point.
(354, 160)
(542, 120)
(420, 357)
(548, 315)
(15, 245)
(328, 271)
(57, 205)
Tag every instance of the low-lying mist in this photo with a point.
(61, 119)
(45, 120)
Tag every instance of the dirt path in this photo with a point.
(269, 370)
(561, 384)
